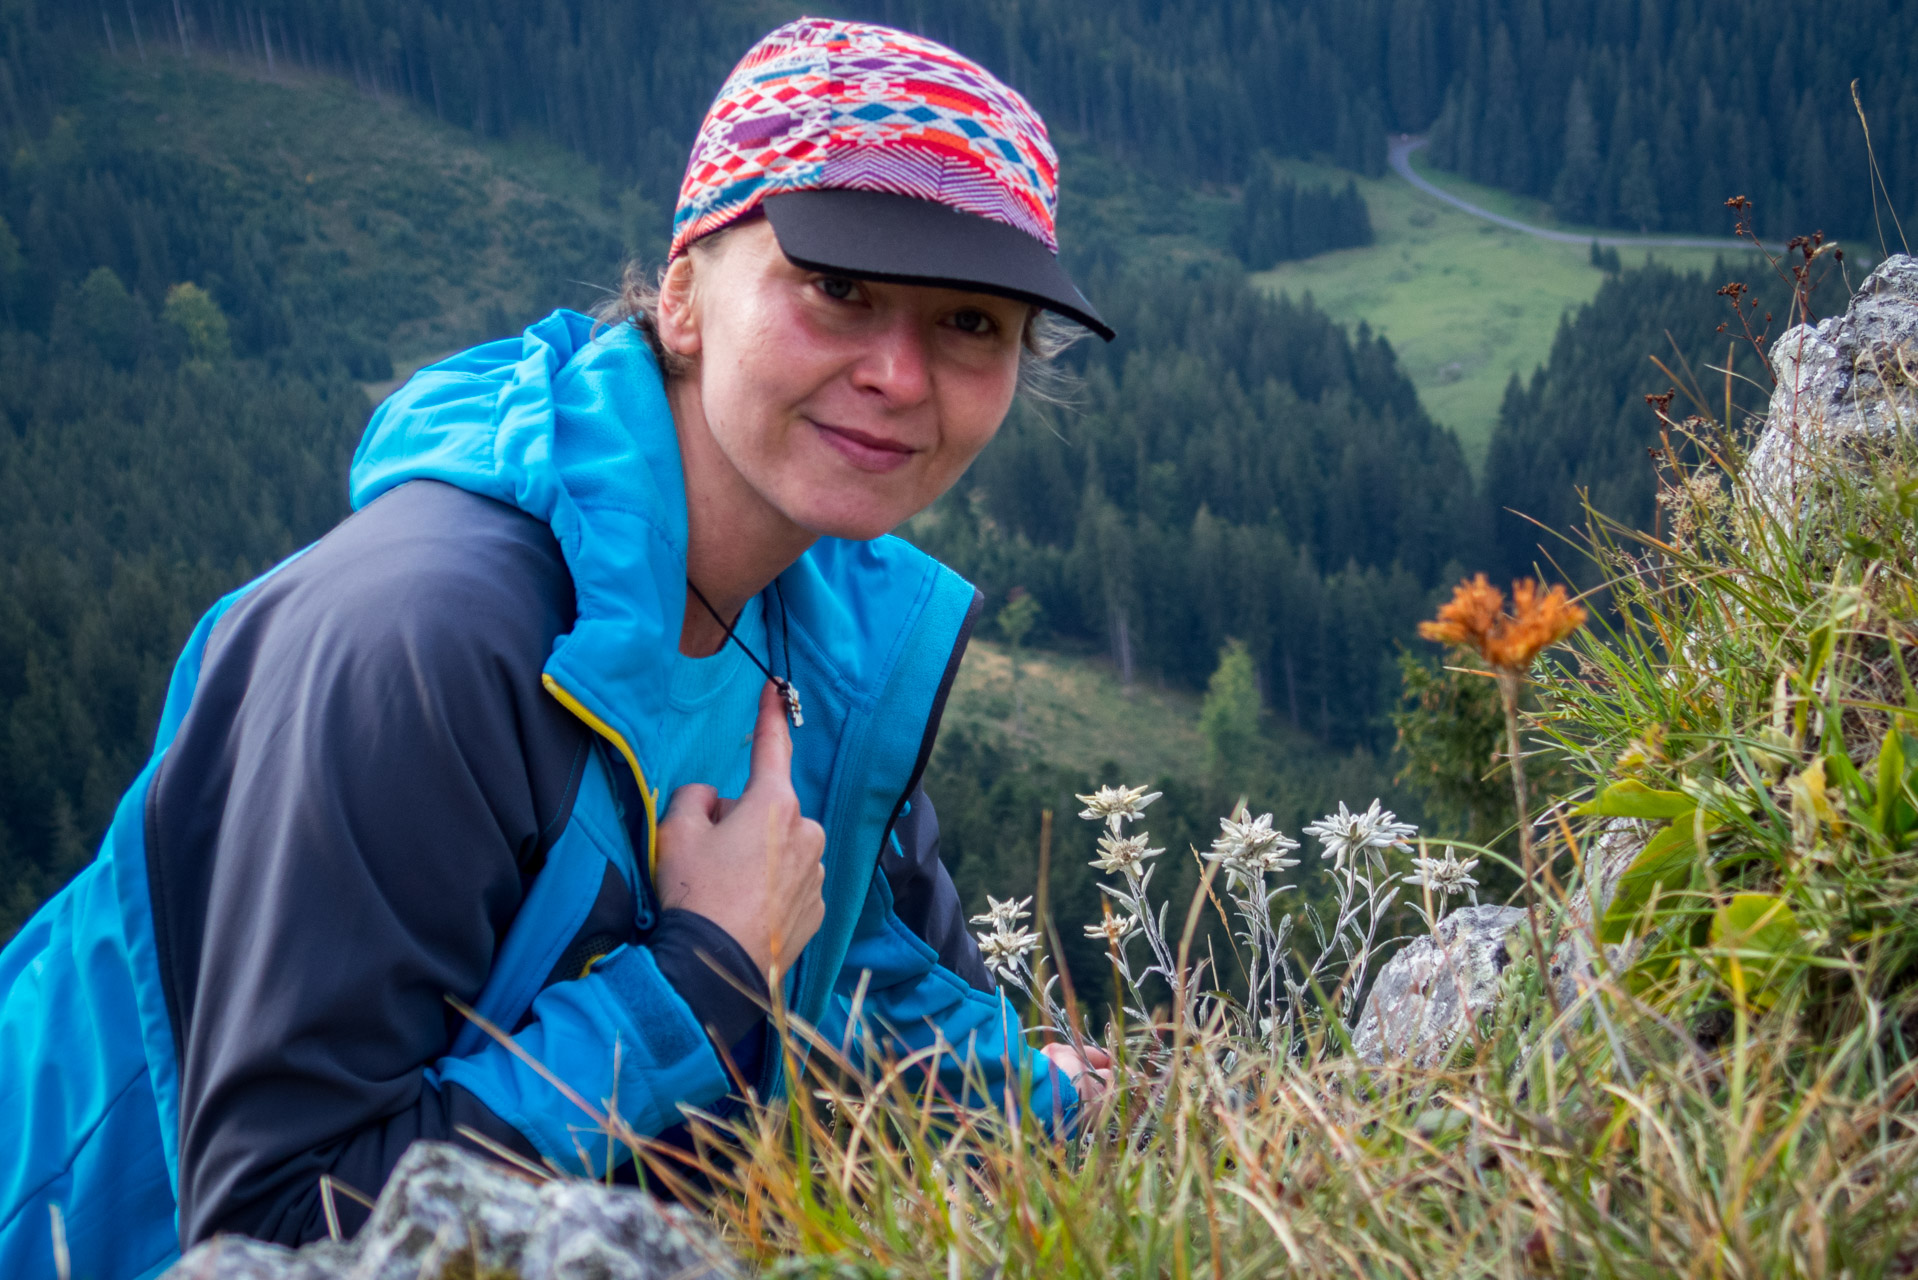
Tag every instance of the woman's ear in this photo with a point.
(678, 311)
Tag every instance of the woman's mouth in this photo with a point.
(866, 451)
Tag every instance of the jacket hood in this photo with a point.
(569, 423)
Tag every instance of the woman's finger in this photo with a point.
(695, 799)
(772, 764)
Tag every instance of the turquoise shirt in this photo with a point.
(712, 704)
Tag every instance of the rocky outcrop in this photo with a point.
(1841, 383)
(446, 1211)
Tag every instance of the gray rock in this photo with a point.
(1841, 382)
(237, 1258)
(1429, 993)
(1573, 961)
(447, 1209)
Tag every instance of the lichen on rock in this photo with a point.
(448, 1211)
(1426, 997)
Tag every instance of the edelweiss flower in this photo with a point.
(1447, 876)
(1006, 949)
(1123, 853)
(1113, 929)
(1250, 846)
(1114, 805)
(1003, 913)
(1346, 834)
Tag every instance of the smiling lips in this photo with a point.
(865, 451)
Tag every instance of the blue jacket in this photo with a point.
(411, 762)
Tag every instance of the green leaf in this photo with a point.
(1865, 548)
(1665, 863)
(1891, 781)
(1818, 646)
(1761, 939)
(1633, 799)
(1757, 922)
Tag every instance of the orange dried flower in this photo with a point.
(1475, 617)
(1468, 616)
(1538, 618)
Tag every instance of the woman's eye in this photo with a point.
(838, 288)
(974, 322)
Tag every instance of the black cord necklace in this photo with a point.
(787, 694)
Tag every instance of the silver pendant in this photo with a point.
(791, 695)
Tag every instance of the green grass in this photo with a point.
(1073, 713)
(1465, 303)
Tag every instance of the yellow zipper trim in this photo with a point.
(606, 731)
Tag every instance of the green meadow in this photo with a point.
(1465, 303)
(1072, 711)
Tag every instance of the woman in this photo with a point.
(421, 762)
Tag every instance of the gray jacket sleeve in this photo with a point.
(341, 834)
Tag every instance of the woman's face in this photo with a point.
(847, 405)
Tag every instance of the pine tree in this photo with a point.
(1575, 191)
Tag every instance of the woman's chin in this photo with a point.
(854, 517)
(863, 530)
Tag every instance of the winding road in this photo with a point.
(1399, 155)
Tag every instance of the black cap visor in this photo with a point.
(876, 235)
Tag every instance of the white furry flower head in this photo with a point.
(1116, 805)
(1003, 913)
(1447, 876)
(1123, 853)
(1114, 929)
(1346, 835)
(1251, 847)
(1005, 950)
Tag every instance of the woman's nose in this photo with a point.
(898, 364)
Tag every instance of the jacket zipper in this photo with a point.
(647, 799)
(775, 1057)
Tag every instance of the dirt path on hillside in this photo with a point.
(1399, 155)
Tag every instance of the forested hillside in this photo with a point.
(193, 277)
(1630, 114)
(1651, 115)
(1580, 428)
(1281, 219)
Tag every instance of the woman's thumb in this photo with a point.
(772, 741)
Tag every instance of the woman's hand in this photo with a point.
(752, 865)
(1090, 1072)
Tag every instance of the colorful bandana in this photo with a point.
(820, 104)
